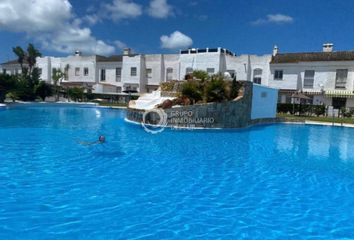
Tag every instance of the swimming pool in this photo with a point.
(267, 182)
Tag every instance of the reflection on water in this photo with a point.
(316, 142)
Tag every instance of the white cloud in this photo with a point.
(273, 18)
(33, 16)
(176, 40)
(75, 38)
(160, 9)
(120, 44)
(123, 9)
(91, 19)
(52, 23)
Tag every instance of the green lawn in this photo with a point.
(289, 117)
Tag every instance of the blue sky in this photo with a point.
(58, 27)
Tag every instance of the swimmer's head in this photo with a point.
(102, 139)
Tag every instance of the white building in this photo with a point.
(327, 77)
(144, 73)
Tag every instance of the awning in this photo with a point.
(339, 93)
(311, 92)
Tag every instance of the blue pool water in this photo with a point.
(268, 182)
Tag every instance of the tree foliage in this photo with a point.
(217, 89)
(57, 76)
(206, 88)
(44, 90)
(191, 89)
(7, 84)
(76, 93)
(200, 75)
(29, 78)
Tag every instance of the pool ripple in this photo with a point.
(268, 182)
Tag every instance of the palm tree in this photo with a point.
(21, 55)
(32, 54)
(30, 57)
(58, 76)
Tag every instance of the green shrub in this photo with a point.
(191, 90)
(43, 90)
(301, 108)
(217, 90)
(76, 93)
(347, 113)
(319, 110)
(200, 75)
(7, 84)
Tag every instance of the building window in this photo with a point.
(103, 74)
(278, 75)
(77, 71)
(133, 71)
(189, 70)
(169, 73)
(148, 73)
(210, 71)
(257, 76)
(86, 71)
(341, 78)
(118, 74)
(309, 78)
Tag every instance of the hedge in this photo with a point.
(301, 108)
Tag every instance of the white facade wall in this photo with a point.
(324, 79)
(112, 83)
(200, 61)
(239, 65)
(46, 65)
(110, 69)
(53, 63)
(80, 62)
(291, 77)
(325, 74)
(262, 63)
(129, 81)
(43, 64)
(156, 64)
(172, 61)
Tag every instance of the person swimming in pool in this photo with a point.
(101, 140)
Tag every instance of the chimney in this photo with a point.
(275, 50)
(127, 51)
(328, 47)
(77, 53)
